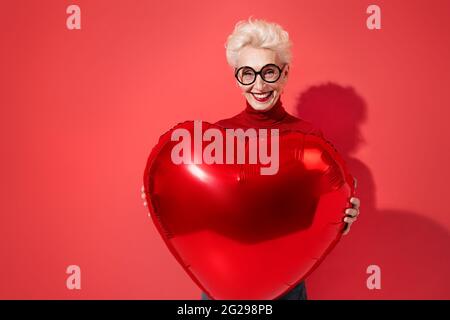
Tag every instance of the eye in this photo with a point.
(269, 74)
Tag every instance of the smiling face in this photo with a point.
(261, 95)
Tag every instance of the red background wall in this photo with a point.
(81, 110)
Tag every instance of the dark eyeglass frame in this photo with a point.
(280, 71)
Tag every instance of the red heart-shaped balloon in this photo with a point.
(240, 234)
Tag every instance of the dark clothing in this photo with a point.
(297, 293)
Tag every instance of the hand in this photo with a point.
(351, 214)
(143, 196)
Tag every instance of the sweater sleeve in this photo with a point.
(317, 131)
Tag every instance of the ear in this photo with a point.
(286, 70)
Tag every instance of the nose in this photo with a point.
(259, 83)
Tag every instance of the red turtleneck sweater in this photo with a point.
(276, 117)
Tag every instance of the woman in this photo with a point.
(260, 54)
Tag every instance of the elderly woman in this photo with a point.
(260, 54)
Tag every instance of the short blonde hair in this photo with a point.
(258, 34)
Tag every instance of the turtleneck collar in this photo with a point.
(270, 117)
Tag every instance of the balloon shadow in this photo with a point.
(411, 250)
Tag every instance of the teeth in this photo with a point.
(262, 95)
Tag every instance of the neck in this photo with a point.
(264, 118)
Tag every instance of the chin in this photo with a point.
(261, 107)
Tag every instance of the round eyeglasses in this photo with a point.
(269, 73)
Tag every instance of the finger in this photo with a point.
(142, 188)
(355, 182)
(143, 195)
(346, 229)
(349, 220)
(355, 201)
(351, 212)
(145, 203)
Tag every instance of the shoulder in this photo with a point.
(232, 122)
(294, 122)
(222, 122)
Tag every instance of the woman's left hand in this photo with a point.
(351, 214)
